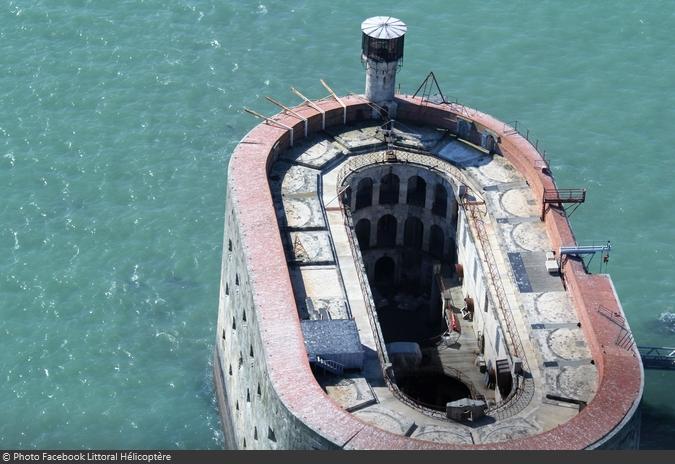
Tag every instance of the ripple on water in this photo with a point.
(118, 121)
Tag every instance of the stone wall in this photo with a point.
(248, 400)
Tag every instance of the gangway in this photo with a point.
(657, 357)
(584, 250)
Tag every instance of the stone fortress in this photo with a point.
(399, 273)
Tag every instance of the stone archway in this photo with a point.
(386, 231)
(364, 193)
(417, 191)
(362, 230)
(389, 188)
(413, 234)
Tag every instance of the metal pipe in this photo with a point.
(338, 99)
(270, 121)
(313, 105)
(288, 110)
(585, 250)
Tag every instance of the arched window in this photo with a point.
(363, 233)
(385, 271)
(386, 231)
(364, 193)
(436, 241)
(413, 234)
(389, 186)
(440, 205)
(411, 269)
(417, 191)
(346, 196)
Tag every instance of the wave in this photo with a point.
(668, 321)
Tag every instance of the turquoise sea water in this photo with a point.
(117, 119)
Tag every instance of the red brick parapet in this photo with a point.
(620, 372)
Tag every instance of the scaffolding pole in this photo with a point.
(271, 121)
(338, 99)
(289, 111)
(313, 105)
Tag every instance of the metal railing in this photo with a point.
(503, 306)
(365, 288)
(329, 365)
(514, 127)
(657, 357)
(522, 394)
(564, 195)
(439, 166)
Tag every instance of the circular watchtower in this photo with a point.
(382, 52)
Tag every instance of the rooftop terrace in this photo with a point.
(325, 270)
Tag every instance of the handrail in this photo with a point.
(461, 109)
(440, 166)
(566, 195)
(624, 338)
(495, 279)
(521, 395)
(365, 288)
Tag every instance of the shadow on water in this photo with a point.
(658, 428)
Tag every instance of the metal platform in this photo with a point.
(657, 357)
(560, 197)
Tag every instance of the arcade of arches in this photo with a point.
(405, 221)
